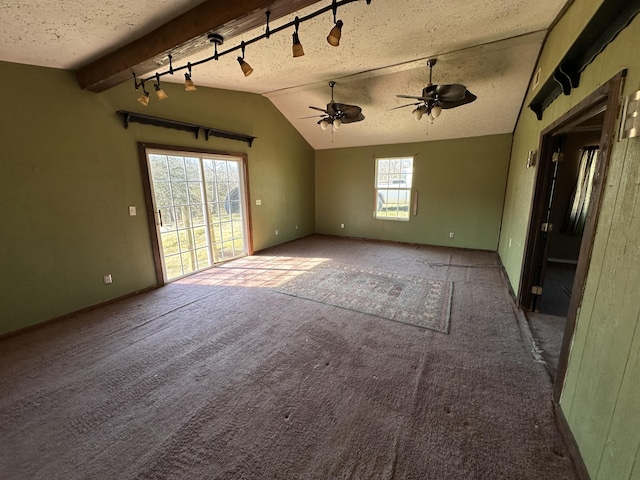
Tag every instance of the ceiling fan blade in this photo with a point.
(468, 98)
(319, 109)
(450, 93)
(348, 111)
(424, 99)
(353, 119)
(429, 91)
(311, 116)
(402, 106)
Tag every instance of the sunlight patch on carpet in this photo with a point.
(418, 301)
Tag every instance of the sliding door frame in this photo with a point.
(148, 194)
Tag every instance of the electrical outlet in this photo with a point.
(451, 234)
(296, 227)
(107, 279)
(132, 211)
(342, 225)
(258, 202)
(277, 233)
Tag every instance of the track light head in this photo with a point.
(335, 34)
(189, 86)
(246, 68)
(144, 99)
(160, 93)
(297, 46)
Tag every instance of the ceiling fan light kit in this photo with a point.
(435, 98)
(333, 39)
(337, 113)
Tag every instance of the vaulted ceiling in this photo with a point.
(489, 46)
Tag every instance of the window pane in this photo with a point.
(162, 192)
(193, 169)
(200, 234)
(186, 240)
(189, 263)
(170, 243)
(159, 169)
(168, 219)
(176, 168)
(173, 266)
(180, 193)
(195, 192)
(197, 215)
(202, 256)
(394, 178)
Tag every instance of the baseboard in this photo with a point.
(570, 442)
(44, 323)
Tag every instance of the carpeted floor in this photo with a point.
(218, 376)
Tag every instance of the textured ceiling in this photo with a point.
(489, 46)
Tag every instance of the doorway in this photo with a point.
(198, 209)
(570, 177)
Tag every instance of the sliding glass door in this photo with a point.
(199, 204)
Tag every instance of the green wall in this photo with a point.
(601, 394)
(70, 170)
(460, 185)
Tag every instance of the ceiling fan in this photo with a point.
(435, 98)
(337, 113)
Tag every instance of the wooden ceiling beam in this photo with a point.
(186, 34)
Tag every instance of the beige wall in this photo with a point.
(460, 184)
(70, 170)
(601, 393)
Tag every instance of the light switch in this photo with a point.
(132, 210)
(258, 202)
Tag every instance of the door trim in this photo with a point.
(607, 99)
(151, 218)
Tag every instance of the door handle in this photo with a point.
(160, 216)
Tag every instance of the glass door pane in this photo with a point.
(200, 210)
(224, 186)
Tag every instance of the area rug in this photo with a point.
(418, 301)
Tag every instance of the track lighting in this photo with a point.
(144, 99)
(297, 46)
(246, 68)
(159, 91)
(335, 33)
(189, 86)
(333, 38)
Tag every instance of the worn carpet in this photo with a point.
(418, 301)
(218, 377)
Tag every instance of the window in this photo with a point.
(393, 188)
